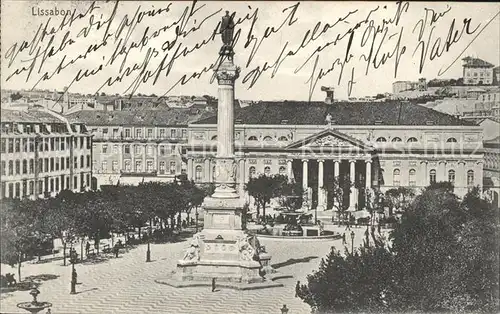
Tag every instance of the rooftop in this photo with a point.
(476, 63)
(158, 117)
(343, 113)
(29, 116)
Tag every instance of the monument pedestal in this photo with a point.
(223, 250)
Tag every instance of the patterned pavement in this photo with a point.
(126, 284)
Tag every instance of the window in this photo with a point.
(162, 150)
(46, 164)
(396, 177)
(88, 161)
(25, 166)
(162, 167)
(126, 148)
(252, 138)
(412, 140)
(282, 170)
(18, 167)
(268, 138)
(115, 166)
(396, 139)
(24, 145)
(251, 171)
(138, 133)
(173, 133)
(150, 133)
(104, 166)
(128, 166)
(105, 131)
(470, 178)
(4, 146)
(31, 166)
(451, 176)
(138, 166)
(10, 169)
(62, 143)
(172, 167)
(149, 166)
(412, 177)
(184, 133)
(137, 149)
(432, 176)
(150, 150)
(17, 144)
(213, 173)
(57, 163)
(127, 133)
(115, 133)
(31, 188)
(4, 172)
(104, 148)
(115, 149)
(82, 161)
(197, 173)
(282, 139)
(75, 162)
(451, 140)
(381, 139)
(162, 133)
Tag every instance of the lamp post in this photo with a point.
(196, 216)
(73, 270)
(352, 242)
(148, 252)
(284, 309)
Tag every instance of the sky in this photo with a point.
(359, 48)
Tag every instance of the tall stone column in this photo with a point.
(289, 169)
(321, 198)
(305, 183)
(368, 164)
(336, 175)
(352, 179)
(225, 170)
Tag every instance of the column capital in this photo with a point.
(461, 162)
(321, 160)
(352, 161)
(424, 162)
(305, 160)
(289, 160)
(442, 162)
(368, 161)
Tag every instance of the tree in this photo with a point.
(16, 96)
(265, 187)
(399, 197)
(291, 196)
(444, 257)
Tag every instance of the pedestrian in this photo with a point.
(116, 249)
(343, 239)
(213, 284)
(87, 248)
(297, 288)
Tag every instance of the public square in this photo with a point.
(127, 284)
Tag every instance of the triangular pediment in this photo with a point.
(330, 138)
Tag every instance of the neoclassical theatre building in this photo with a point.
(380, 145)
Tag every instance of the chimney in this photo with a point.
(329, 94)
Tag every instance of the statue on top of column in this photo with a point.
(227, 31)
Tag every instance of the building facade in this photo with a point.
(43, 154)
(492, 169)
(371, 145)
(130, 147)
(477, 71)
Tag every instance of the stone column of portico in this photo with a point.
(368, 164)
(304, 174)
(441, 176)
(321, 198)
(352, 179)
(424, 175)
(206, 166)
(289, 169)
(190, 169)
(336, 175)
(461, 180)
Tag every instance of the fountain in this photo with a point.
(34, 306)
